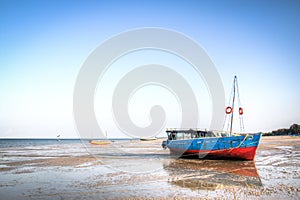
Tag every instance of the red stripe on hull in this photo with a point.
(247, 153)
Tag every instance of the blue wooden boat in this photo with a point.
(208, 144)
(214, 144)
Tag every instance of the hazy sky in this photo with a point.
(44, 44)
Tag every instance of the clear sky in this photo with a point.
(44, 44)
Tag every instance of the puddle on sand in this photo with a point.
(212, 174)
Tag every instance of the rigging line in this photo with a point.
(231, 94)
(227, 118)
(246, 136)
(242, 127)
(233, 100)
(224, 122)
(238, 93)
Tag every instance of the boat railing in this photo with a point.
(181, 134)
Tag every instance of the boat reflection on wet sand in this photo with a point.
(212, 174)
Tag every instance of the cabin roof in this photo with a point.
(185, 131)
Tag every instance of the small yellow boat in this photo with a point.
(99, 142)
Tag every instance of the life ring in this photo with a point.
(241, 111)
(228, 110)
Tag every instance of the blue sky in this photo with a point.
(44, 44)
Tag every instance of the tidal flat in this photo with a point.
(133, 169)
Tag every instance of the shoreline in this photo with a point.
(143, 170)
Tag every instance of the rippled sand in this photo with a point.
(143, 170)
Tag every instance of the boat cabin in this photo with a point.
(191, 133)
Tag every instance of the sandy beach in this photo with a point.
(143, 170)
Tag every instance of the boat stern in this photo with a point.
(164, 144)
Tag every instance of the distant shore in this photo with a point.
(294, 130)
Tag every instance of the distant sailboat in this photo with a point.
(57, 138)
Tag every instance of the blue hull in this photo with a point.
(233, 147)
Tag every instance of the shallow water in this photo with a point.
(137, 169)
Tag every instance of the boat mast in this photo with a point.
(231, 120)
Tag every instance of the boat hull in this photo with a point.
(99, 142)
(234, 147)
(148, 139)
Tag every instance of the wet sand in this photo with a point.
(143, 170)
